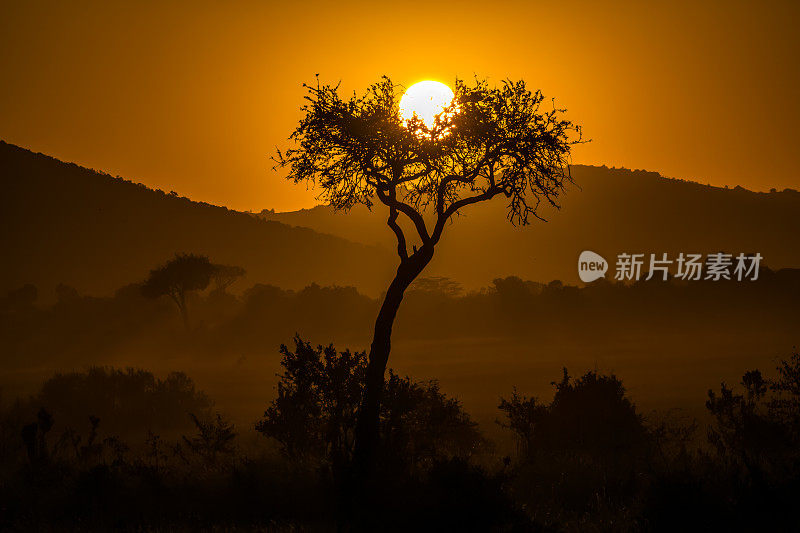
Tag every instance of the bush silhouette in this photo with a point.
(314, 415)
(583, 451)
(590, 415)
(214, 438)
(762, 425)
(127, 402)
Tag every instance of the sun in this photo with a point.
(427, 99)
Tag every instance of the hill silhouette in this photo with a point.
(66, 224)
(607, 210)
(62, 223)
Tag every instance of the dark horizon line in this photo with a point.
(101, 172)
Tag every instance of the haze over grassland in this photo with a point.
(99, 235)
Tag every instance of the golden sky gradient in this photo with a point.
(194, 96)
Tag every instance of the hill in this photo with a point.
(609, 211)
(61, 223)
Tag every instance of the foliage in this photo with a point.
(186, 273)
(420, 425)
(761, 423)
(127, 401)
(61, 475)
(214, 437)
(785, 403)
(489, 141)
(318, 394)
(589, 415)
(437, 286)
(314, 415)
(225, 275)
(524, 415)
(582, 453)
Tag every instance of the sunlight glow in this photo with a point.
(427, 99)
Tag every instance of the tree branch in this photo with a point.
(402, 249)
(466, 177)
(410, 212)
(488, 194)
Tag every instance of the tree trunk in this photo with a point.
(367, 426)
(184, 310)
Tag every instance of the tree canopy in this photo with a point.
(183, 273)
(489, 141)
(226, 275)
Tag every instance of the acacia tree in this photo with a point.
(183, 273)
(226, 275)
(489, 141)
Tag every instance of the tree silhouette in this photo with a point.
(183, 273)
(214, 437)
(225, 275)
(761, 425)
(487, 142)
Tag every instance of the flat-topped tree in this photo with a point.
(487, 142)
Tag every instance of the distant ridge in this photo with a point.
(62, 223)
(608, 211)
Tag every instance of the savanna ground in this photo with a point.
(651, 352)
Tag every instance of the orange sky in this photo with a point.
(194, 96)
